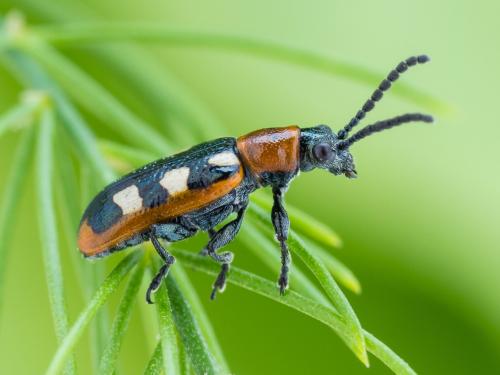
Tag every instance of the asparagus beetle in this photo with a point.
(174, 198)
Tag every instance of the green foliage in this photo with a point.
(110, 355)
(48, 226)
(99, 33)
(326, 315)
(13, 193)
(355, 339)
(109, 285)
(187, 339)
(168, 336)
(202, 361)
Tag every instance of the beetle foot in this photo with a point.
(220, 282)
(157, 280)
(283, 283)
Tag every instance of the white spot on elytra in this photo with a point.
(224, 159)
(128, 200)
(176, 180)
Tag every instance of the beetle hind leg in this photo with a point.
(162, 273)
(226, 234)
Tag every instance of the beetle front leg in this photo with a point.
(219, 239)
(281, 225)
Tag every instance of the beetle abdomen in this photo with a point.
(159, 192)
(272, 152)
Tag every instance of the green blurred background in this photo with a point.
(419, 224)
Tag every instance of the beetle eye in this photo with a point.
(323, 152)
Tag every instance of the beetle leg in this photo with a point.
(162, 273)
(211, 234)
(219, 239)
(281, 225)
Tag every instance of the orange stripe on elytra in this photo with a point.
(91, 243)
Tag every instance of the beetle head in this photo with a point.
(319, 148)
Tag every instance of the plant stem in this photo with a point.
(48, 228)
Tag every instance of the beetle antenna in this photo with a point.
(383, 125)
(384, 86)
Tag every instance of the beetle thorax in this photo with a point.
(271, 155)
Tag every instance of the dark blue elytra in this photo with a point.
(103, 213)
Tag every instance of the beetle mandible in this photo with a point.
(195, 190)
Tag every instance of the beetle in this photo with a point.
(196, 190)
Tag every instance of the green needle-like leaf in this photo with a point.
(292, 299)
(107, 288)
(14, 186)
(148, 315)
(387, 356)
(48, 226)
(155, 364)
(334, 292)
(168, 336)
(185, 364)
(79, 34)
(200, 316)
(338, 269)
(201, 359)
(120, 325)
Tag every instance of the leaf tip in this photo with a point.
(354, 286)
(362, 355)
(334, 240)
